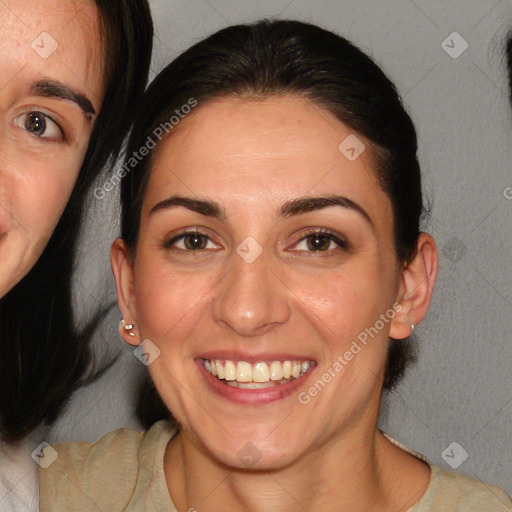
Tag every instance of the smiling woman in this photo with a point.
(270, 251)
(70, 74)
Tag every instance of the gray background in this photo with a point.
(461, 388)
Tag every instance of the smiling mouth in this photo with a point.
(260, 375)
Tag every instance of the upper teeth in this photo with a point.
(243, 371)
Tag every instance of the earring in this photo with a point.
(412, 328)
(127, 327)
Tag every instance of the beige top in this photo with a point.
(124, 471)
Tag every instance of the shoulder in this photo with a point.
(104, 474)
(451, 492)
(18, 478)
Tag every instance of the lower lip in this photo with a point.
(252, 396)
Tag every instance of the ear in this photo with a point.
(415, 288)
(122, 269)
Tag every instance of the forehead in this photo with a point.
(55, 39)
(271, 148)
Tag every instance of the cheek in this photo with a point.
(344, 312)
(344, 301)
(168, 302)
(42, 196)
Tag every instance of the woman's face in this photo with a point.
(263, 249)
(51, 87)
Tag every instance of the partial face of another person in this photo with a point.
(51, 88)
(263, 253)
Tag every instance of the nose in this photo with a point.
(251, 299)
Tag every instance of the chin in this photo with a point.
(249, 453)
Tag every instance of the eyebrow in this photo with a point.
(290, 208)
(57, 90)
(207, 208)
(310, 204)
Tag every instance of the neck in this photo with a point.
(354, 471)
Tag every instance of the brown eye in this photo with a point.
(192, 241)
(40, 125)
(318, 242)
(195, 241)
(35, 123)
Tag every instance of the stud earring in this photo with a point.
(127, 327)
(412, 328)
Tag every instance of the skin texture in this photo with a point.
(252, 157)
(39, 165)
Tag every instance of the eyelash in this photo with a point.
(168, 244)
(48, 120)
(342, 243)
